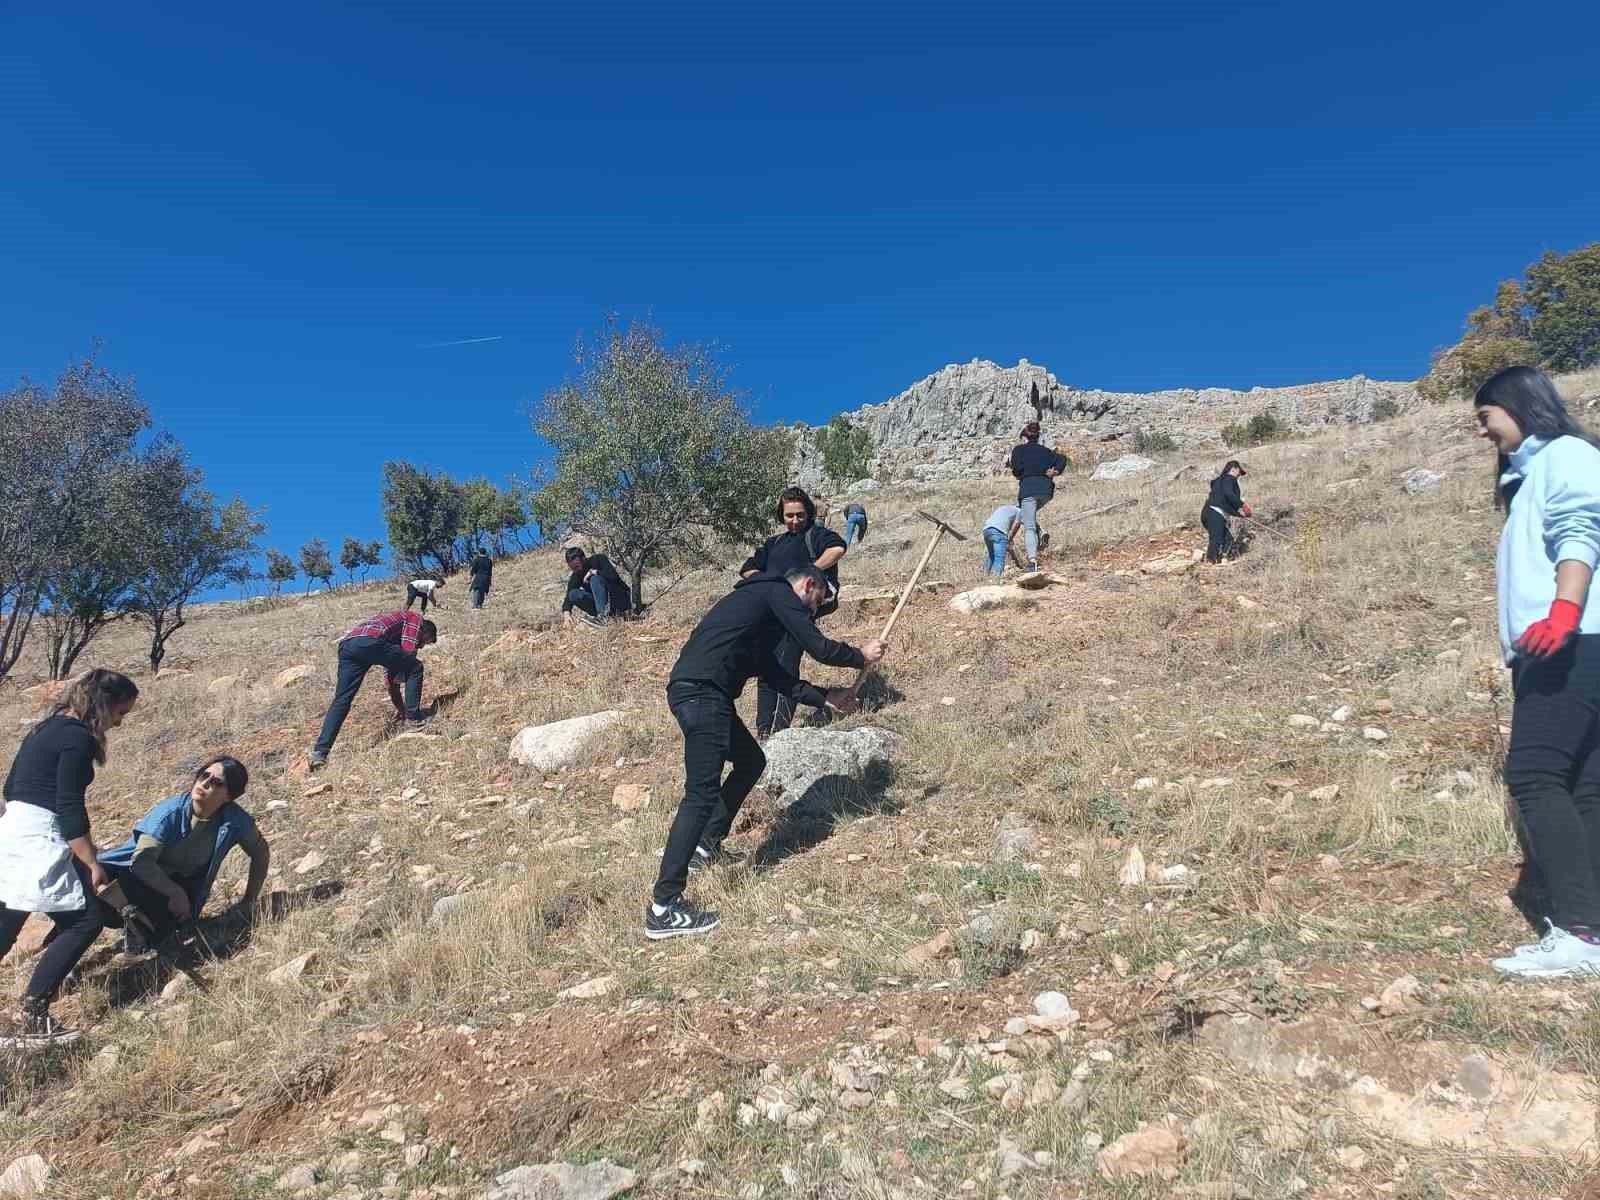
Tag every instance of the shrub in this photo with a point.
(846, 450)
(1384, 409)
(1156, 441)
(1263, 427)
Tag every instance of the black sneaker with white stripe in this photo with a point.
(679, 920)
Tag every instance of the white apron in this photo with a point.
(36, 871)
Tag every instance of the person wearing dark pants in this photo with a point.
(423, 592)
(390, 641)
(48, 860)
(594, 587)
(1222, 503)
(734, 643)
(482, 577)
(803, 543)
(1549, 486)
(1035, 468)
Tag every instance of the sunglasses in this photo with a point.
(209, 779)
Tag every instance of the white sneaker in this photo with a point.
(1558, 955)
(1519, 951)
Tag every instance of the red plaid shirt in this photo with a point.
(403, 627)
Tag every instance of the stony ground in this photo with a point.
(1162, 880)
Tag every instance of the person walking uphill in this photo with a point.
(1036, 468)
(1549, 486)
(594, 587)
(736, 640)
(803, 543)
(388, 640)
(48, 861)
(855, 523)
(1223, 502)
(482, 577)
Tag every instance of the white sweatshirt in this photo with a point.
(1555, 516)
(425, 586)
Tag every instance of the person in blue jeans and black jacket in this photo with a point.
(735, 642)
(1548, 484)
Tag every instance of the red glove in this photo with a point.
(1544, 638)
(1245, 509)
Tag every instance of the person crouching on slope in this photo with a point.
(1222, 503)
(736, 640)
(388, 640)
(1549, 486)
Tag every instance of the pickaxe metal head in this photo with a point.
(944, 525)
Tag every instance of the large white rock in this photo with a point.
(1121, 468)
(861, 487)
(1419, 480)
(26, 1176)
(798, 759)
(563, 1181)
(992, 595)
(559, 744)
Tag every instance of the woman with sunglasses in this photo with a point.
(167, 867)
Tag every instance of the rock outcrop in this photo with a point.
(959, 422)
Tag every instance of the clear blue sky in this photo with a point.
(264, 213)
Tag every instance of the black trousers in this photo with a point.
(774, 713)
(478, 593)
(357, 656)
(713, 735)
(1553, 773)
(151, 904)
(1220, 543)
(76, 931)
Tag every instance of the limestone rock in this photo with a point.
(1325, 793)
(801, 761)
(290, 676)
(1122, 468)
(592, 989)
(1303, 721)
(563, 1181)
(1015, 839)
(309, 862)
(446, 907)
(1148, 1151)
(1401, 996)
(297, 1179)
(630, 797)
(1133, 868)
(559, 744)
(222, 684)
(861, 487)
(1176, 563)
(993, 595)
(292, 970)
(1419, 480)
(936, 947)
(26, 1177)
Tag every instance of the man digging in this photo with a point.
(737, 640)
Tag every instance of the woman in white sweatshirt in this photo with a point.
(1548, 484)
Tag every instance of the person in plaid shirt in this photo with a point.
(388, 640)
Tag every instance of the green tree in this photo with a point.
(315, 563)
(653, 455)
(425, 512)
(280, 570)
(846, 450)
(1563, 291)
(351, 558)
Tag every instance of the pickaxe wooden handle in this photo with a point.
(933, 544)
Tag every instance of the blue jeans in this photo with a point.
(594, 599)
(357, 656)
(996, 542)
(855, 527)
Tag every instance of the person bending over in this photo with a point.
(388, 640)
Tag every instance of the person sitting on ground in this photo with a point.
(165, 871)
(855, 523)
(426, 590)
(48, 860)
(1222, 504)
(482, 577)
(737, 639)
(388, 640)
(998, 531)
(1035, 468)
(594, 588)
(1548, 484)
(803, 543)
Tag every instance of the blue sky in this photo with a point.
(265, 214)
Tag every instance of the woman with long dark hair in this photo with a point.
(1548, 484)
(47, 857)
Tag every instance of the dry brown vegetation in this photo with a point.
(1114, 710)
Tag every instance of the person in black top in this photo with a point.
(48, 860)
(736, 640)
(594, 587)
(1223, 502)
(1036, 468)
(803, 543)
(482, 576)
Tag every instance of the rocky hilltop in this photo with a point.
(958, 422)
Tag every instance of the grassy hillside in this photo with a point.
(1239, 995)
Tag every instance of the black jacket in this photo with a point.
(621, 596)
(1029, 462)
(1224, 495)
(53, 769)
(735, 642)
(482, 572)
(782, 554)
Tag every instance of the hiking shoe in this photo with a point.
(1558, 955)
(1520, 951)
(1044, 541)
(316, 760)
(592, 622)
(36, 1029)
(704, 859)
(1032, 567)
(680, 920)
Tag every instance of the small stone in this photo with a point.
(1325, 793)
(941, 944)
(1016, 838)
(592, 989)
(1177, 873)
(309, 863)
(176, 987)
(1401, 996)
(292, 970)
(413, 1156)
(393, 1132)
(297, 1179)
(1383, 707)
(1133, 869)
(563, 1181)
(290, 676)
(1303, 721)
(105, 1062)
(956, 1089)
(1329, 863)
(1351, 1158)
(26, 1177)
(1150, 1150)
(947, 701)
(1145, 783)
(1373, 734)
(1341, 714)
(448, 906)
(631, 797)
(1032, 941)
(711, 1112)
(320, 789)
(1053, 1005)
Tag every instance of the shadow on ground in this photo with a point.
(810, 820)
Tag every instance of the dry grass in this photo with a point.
(1375, 600)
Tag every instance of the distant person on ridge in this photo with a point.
(594, 588)
(482, 576)
(855, 523)
(1223, 503)
(1035, 468)
(388, 640)
(737, 639)
(425, 590)
(803, 543)
(998, 531)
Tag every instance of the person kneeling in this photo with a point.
(165, 871)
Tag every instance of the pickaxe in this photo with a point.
(941, 528)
